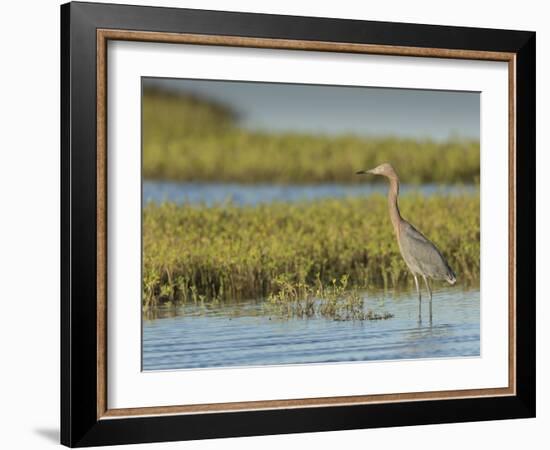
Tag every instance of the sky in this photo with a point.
(332, 110)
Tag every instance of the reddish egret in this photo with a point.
(420, 254)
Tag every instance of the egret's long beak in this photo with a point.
(363, 172)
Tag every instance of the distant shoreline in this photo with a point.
(188, 139)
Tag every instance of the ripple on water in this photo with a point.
(219, 338)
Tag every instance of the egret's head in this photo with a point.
(385, 170)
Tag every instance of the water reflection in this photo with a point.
(242, 334)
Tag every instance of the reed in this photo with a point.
(336, 301)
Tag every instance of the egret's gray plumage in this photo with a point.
(420, 254)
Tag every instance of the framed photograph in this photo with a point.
(277, 224)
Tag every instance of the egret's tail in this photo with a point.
(450, 277)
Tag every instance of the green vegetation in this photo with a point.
(190, 139)
(209, 254)
(336, 301)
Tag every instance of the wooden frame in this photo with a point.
(86, 418)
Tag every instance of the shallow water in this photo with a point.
(243, 335)
(243, 194)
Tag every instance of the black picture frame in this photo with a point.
(79, 423)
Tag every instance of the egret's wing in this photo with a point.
(426, 255)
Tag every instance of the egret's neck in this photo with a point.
(393, 192)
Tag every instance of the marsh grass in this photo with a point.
(335, 301)
(202, 255)
(187, 138)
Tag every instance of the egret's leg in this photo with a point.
(419, 298)
(430, 292)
